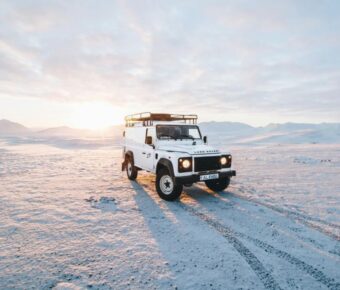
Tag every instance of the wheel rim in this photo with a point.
(166, 184)
(129, 168)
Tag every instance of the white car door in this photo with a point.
(148, 152)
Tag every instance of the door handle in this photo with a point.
(143, 152)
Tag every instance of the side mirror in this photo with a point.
(148, 140)
(205, 139)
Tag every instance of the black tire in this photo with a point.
(169, 192)
(218, 184)
(131, 170)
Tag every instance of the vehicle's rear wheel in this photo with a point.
(166, 186)
(218, 184)
(131, 170)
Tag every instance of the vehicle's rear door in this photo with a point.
(135, 143)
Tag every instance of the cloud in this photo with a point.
(269, 58)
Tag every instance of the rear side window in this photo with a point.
(150, 132)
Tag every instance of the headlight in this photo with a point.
(186, 163)
(223, 160)
(226, 161)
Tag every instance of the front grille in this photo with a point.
(207, 163)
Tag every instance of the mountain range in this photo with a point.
(12, 129)
(8, 128)
(286, 133)
(217, 132)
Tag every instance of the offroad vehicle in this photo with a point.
(172, 147)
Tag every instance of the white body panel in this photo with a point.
(146, 156)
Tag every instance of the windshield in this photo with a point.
(178, 132)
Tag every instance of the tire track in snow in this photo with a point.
(310, 218)
(252, 260)
(312, 271)
(263, 274)
(304, 219)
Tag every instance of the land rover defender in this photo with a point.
(172, 147)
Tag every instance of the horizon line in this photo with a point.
(122, 124)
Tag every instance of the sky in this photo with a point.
(89, 63)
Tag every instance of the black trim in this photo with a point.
(167, 164)
(196, 177)
(146, 134)
(207, 163)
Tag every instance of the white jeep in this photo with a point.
(172, 147)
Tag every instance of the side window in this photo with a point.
(150, 132)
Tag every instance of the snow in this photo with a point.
(305, 176)
(70, 219)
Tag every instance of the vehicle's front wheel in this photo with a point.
(131, 170)
(166, 187)
(218, 184)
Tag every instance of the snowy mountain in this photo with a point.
(297, 133)
(230, 128)
(288, 127)
(64, 131)
(8, 128)
(287, 133)
(217, 132)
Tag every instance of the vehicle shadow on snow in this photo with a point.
(175, 233)
(160, 226)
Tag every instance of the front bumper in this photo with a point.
(196, 177)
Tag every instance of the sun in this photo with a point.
(95, 115)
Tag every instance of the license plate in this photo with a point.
(209, 176)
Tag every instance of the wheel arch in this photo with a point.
(165, 163)
(128, 154)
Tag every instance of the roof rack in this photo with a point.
(147, 118)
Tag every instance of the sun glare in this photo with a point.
(96, 116)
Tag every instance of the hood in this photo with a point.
(190, 149)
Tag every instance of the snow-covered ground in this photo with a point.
(70, 219)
